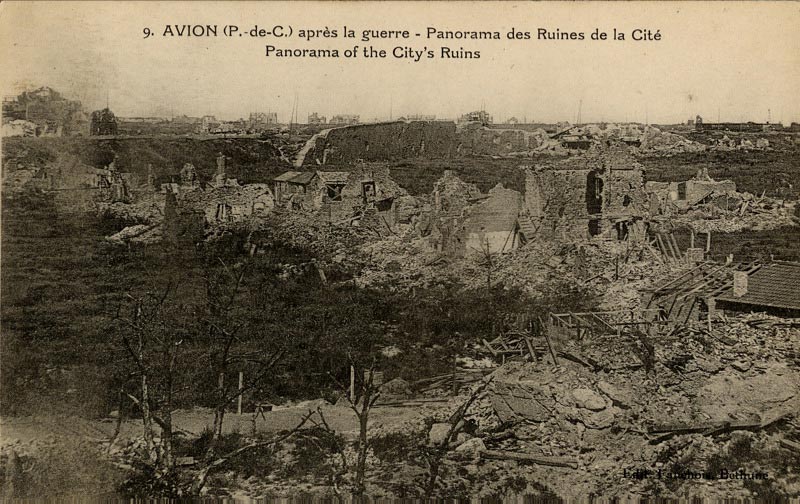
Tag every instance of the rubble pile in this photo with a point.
(704, 392)
(657, 142)
(704, 204)
(745, 144)
(613, 271)
(146, 210)
(303, 231)
(729, 212)
(646, 140)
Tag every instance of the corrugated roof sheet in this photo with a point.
(285, 177)
(303, 178)
(775, 285)
(296, 177)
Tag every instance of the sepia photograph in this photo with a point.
(356, 251)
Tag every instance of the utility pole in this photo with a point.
(580, 106)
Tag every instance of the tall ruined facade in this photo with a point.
(103, 123)
(599, 193)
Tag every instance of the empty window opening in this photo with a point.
(368, 191)
(594, 193)
(333, 192)
(622, 231)
(594, 227)
(223, 211)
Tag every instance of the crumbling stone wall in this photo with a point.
(555, 202)
(699, 188)
(189, 214)
(475, 139)
(624, 195)
(181, 226)
(382, 142)
(417, 139)
(452, 195)
(491, 225)
(586, 195)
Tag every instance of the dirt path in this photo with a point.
(193, 422)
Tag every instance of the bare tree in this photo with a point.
(152, 338)
(336, 446)
(223, 292)
(488, 261)
(365, 397)
(434, 455)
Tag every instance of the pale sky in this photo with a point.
(735, 60)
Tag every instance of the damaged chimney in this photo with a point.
(739, 283)
(221, 164)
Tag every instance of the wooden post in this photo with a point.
(241, 386)
(708, 242)
(352, 384)
(691, 239)
(455, 368)
(549, 345)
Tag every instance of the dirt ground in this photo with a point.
(22, 430)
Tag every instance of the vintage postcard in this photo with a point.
(354, 250)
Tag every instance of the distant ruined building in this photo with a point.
(479, 116)
(261, 120)
(315, 118)
(45, 112)
(345, 119)
(103, 123)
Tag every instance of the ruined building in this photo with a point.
(682, 195)
(103, 123)
(601, 192)
(315, 118)
(192, 211)
(464, 221)
(188, 181)
(480, 116)
(341, 196)
(260, 120)
(220, 176)
(49, 112)
(491, 226)
(345, 119)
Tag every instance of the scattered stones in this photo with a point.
(740, 365)
(616, 395)
(474, 445)
(438, 433)
(396, 387)
(588, 399)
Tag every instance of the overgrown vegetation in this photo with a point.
(60, 299)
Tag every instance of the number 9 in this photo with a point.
(146, 32)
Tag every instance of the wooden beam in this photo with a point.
(534, 459)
